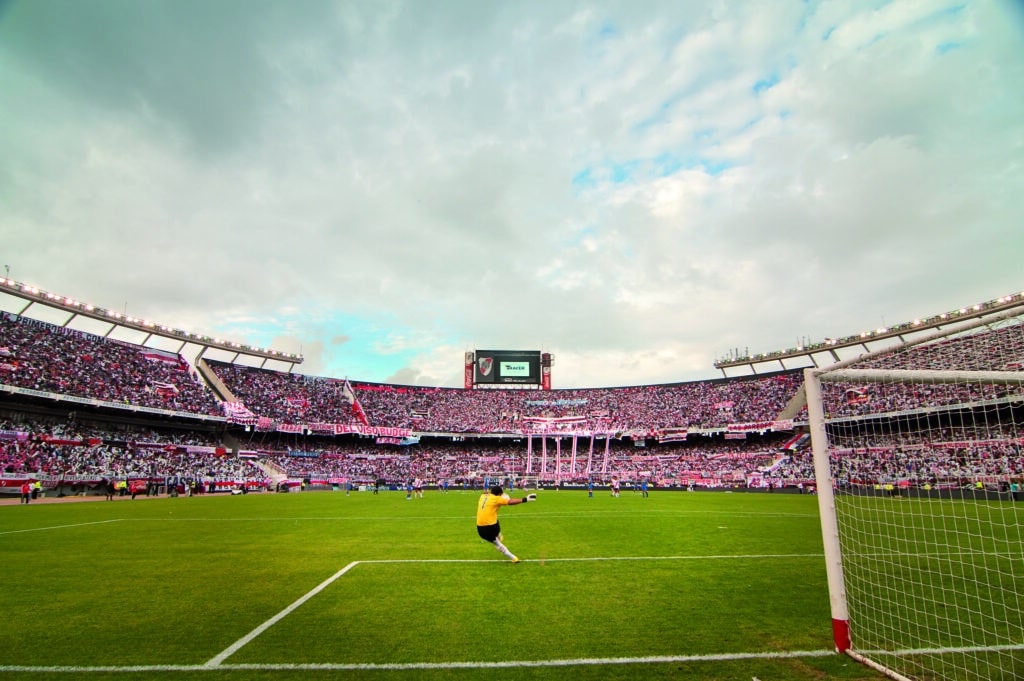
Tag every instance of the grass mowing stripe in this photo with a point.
(60, 527)
(234, 647)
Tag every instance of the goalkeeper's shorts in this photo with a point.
(489, 532)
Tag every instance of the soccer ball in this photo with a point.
(505, 496)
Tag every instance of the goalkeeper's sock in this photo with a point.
(501, 547)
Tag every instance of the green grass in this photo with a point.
(132, 589)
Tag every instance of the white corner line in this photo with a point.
(237, 645)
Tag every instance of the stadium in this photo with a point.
(894, 454)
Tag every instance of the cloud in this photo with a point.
(634, 188)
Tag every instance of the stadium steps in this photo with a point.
(217, 385)
(795, 405)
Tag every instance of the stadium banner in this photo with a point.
(380, 431)
(763, 426)
(58, 397)
(237, 412)
(553, 425)
(328, 481)
(16, 482)
(204, 449)
(401, 441)
(673, 435)
(16, 435)
(161, 356)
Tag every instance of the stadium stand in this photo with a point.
(51, 359)
(78, 409)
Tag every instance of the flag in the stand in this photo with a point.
(164, 389)
(349, 396)
(857, 396)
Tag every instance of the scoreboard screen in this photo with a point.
(507, 366)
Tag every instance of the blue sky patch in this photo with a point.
(362, 353)
(766, 83)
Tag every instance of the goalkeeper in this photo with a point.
(487, 517)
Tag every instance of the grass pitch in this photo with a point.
(323, 585)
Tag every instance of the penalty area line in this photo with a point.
(237, 645)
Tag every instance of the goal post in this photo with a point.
(919, 475)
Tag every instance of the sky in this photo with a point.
(638, 188)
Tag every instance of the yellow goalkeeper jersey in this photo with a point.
(487, 508)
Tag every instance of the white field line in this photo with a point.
(237, 645)
(60, 527)
(407, 666)
(751, 556)
(230, 650)
(501, 664)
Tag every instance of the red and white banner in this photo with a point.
(237, 412)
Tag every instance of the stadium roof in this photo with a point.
(117, 320)
(899, 332)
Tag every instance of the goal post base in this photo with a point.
(841, 635)
(867, 662)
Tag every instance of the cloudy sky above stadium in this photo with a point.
(639, 188)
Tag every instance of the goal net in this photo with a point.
(919, 467)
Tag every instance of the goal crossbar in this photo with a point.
(918, 375)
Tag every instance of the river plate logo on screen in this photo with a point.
(485, 364)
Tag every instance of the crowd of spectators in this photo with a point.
(710, 461)
(72, 450)
(998, 349)
(80, 451)
(54, 359)
(283, 397)
(289, 398)
(951, 456)
(991, 349)
(50, 358)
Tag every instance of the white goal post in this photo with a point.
(919, 476)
